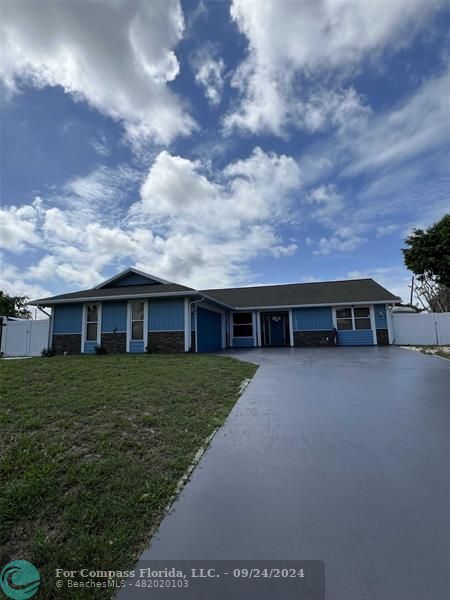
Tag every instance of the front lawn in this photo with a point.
(92, 449)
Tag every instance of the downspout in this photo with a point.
(50, 325)
(194, 303)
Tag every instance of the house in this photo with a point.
(134, 310)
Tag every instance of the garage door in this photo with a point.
(209, 330)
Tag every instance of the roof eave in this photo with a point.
(51, 301)
(322, 304)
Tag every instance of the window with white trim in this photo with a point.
(243, 324)
(353, 317)
(91, 322)
(137, 320)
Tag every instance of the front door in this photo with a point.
(275, 329)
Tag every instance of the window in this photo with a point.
(137, 321)
(91, 322)
(344, 318)
(362, 317)
(242, 324)
(353, 318)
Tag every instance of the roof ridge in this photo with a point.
(273, 285)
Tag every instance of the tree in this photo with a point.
(14, 306)
(427, 255)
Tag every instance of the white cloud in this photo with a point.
(402, 153)
(342, 242)
(18, 227)
(328, 202)
(208, 68)
(419, 124)
(117, 56)
(343, 109)
(100, 146)
(290, 43)
(190, 224)
(384, 230)
(13, 282)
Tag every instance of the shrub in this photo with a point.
(47, 352)
(100, 350)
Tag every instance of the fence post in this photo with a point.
(436, 328)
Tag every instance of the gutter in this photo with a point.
(51, 302)
(286, 306)
(50, 325)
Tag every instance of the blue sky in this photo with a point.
(216, 143)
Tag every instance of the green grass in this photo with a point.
(442, 351)
(92, 449)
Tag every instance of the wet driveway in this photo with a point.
(337, 454)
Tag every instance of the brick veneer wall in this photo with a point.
(67, 342)
(114, 342)
(166, 341)
(313, 338)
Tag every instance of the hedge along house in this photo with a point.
(135, 311)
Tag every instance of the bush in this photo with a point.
(100, 350)
(47, 352)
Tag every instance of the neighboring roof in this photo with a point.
(309, 294)
(116, 293)
(130, 270)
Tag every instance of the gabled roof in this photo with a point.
(130, 270)
(351, 291)
(294, 294)
(119, 293)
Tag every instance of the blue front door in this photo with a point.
(209, 330)
(277, 330)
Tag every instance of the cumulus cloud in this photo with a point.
(208, 68)
(189, 223)
(290, 43)
(117, 56)
(18, 227)
(13, 282)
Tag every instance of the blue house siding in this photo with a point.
(137, 346)
(243, 342)
(67, 318)
(114, 317)
(310, 319)
(89, 347)
(380, 316)
(131, 279)
(166, 315)
(358, 337)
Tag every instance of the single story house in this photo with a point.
(133, 311)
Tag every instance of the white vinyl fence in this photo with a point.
(24, 338)
(421, 328)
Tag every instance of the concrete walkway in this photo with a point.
(337, 454)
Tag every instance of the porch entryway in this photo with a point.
(275, 328)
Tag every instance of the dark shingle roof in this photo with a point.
(120, 291)
(292, 294)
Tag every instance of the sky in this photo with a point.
(217, 143)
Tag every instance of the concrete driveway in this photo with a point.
(338, 454)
